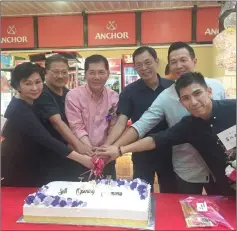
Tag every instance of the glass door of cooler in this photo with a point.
(130, 75)
(6, 91)
(114, 82)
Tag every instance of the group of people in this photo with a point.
(53, 133)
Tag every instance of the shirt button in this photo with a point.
(211, 125)
(214, 118)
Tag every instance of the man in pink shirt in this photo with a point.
(91, 108)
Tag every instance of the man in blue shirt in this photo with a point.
(200, 129)
(134, 100)
(185, 157)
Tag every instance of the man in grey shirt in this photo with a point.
(191, 170)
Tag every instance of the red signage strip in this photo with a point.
(60, 31)
(17, 32)
(127, 59)
(114, 65)
(207, 23)
(165, 26)
(111, 29)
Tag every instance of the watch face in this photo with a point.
(230, 20)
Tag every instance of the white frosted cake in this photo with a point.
(118, 202)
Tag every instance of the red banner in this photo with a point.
(166, 26)
(60, 31)
(207, 23)
(127, 59)
(17, 32)
(111, 29)
(114, 65)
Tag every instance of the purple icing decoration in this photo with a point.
(133, 185)
(80, 202)
(142, 190)
(57, 198)
(145, 194)
(120, 182)
(75, 203)
(69, 202)
(62, 203)
(103, 181)
(29, 200)
(41, 196)
(55, 202)
(48, 200)
(141, 187)
(36, 201)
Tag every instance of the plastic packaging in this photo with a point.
(202, 212)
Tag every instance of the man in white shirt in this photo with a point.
(191, 170)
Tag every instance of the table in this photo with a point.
(169, 215)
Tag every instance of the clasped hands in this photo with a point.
(106, 152)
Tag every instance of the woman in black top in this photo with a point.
(25, 137)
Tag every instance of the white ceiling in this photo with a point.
(37, 8)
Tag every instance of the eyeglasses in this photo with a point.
(57, 73)
(94, 73)
(147, 63)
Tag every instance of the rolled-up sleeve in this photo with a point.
(74, 115)
(46, 106)
(150, 118)
(178, 134)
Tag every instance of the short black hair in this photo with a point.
(167, 69)
(55, 58)
(23, 71)
(189, 78)
(142, 49)
(179, 45)
(96, 59)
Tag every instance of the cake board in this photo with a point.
(150, 226)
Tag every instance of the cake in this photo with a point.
(100, 202)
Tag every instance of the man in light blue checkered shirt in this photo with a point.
(191, 170)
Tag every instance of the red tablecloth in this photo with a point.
(169, 215)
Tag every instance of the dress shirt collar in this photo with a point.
(161, 83)
(93, 96)
(213, 117)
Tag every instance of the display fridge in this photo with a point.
(129, 74)
(6, 91)
(115, 81)
(7, 63)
